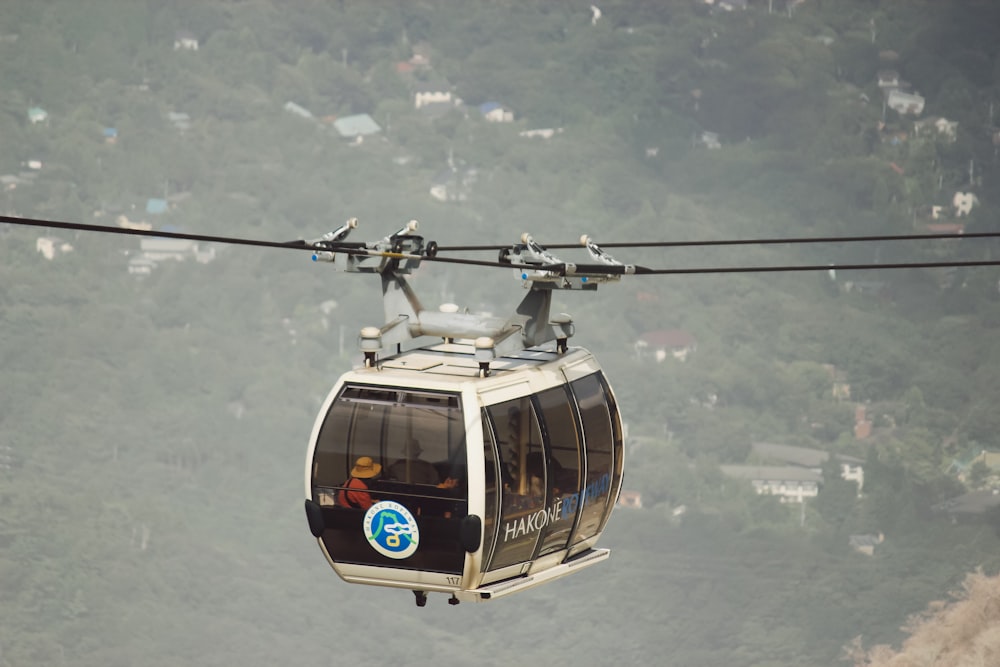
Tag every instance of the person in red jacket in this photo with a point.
(356, 493)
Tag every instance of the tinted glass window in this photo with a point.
(599, 440)
(492, 495)
(619, 450)
(417, 440)
(522, 477)
(559, 422)
(404, 432)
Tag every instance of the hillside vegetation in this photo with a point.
(152, 427)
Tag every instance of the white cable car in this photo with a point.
(481, 465)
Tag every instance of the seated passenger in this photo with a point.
(413, 469)
(536, 475)
(356, 493)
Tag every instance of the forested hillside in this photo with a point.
(154, 414)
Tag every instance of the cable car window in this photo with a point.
(410, 445)
(418, 449)
(619, 450)
(414, 437)
(492, 494)
(599, 439)
(563, 467)
(329, 467)
(519, 450)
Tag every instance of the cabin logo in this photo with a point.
(391, 529)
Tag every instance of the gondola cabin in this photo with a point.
(479, 466)
(427, 475)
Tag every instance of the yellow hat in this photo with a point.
(365, 468)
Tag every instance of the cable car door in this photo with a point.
(517, 439)
(604, 449)
(532, 443)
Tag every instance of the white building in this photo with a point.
(185, 40)
(140, 266)
(428, 94)
(543, 132)
(50, 246)
(159, 249)
(905, 103)
(851, 468)
(790, 483)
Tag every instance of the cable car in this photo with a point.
(481, 464)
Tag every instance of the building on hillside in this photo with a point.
(871, 288)
(961, 467)
(50, 247)
(963, 203)
(956, 228)
(185, 40)
(631, 499)
(710, 140)
(851, 467)
(542, 133)
(179, 120)
(935, 125)
(357, 126)
(453, 185)
(421, 58)
(905, 103)
(990, 459)
(140, 266)
(840, 388)
(866, 544)
(37, 115)
(432, 93)
(8, 460)
(443, 185)
(662, 343)
(160, 249)
(888, 79)
(298, 110)
(157, 206)
(494, 112)
(791, 484)
(726, 5)
(123, 222)
(970, 507)
(862, 424)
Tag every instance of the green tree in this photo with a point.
(837, 499)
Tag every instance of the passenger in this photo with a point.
(536, 476)
(412, 469)
(356, 493)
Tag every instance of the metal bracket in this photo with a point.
(398, 253)
(558, 274)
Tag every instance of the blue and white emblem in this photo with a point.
(391, 529)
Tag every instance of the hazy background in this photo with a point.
(153, 427)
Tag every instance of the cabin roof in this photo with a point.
(447, 366)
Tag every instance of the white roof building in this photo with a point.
(905, 103)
